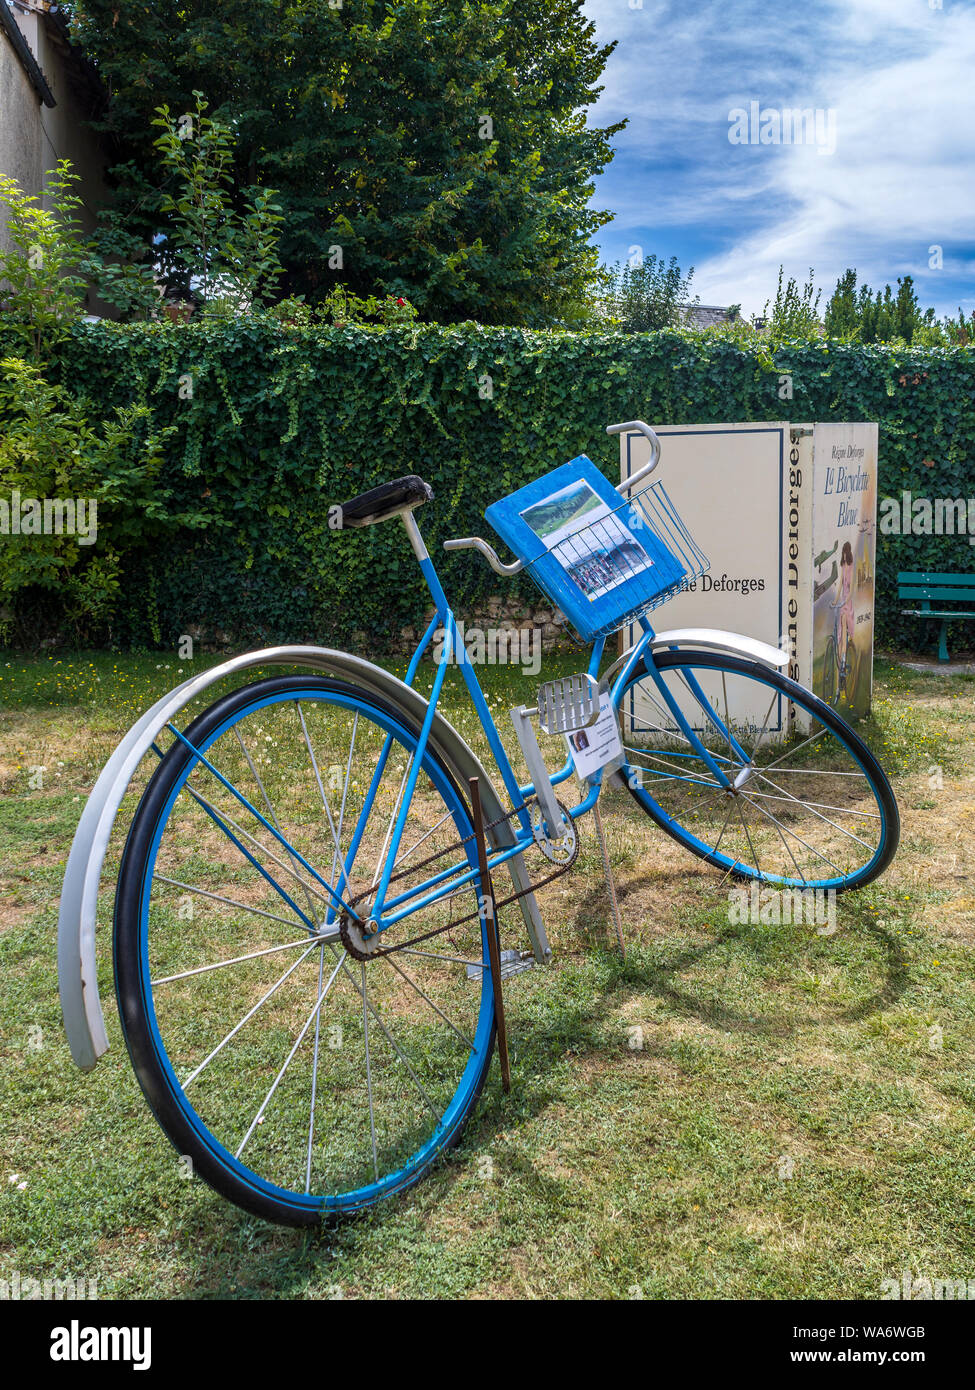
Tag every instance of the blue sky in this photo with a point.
(899, 76)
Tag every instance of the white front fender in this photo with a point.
(84, 1022)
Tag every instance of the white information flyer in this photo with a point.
(599, 745)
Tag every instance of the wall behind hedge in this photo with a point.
(284, 423)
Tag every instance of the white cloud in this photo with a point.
(899, 77)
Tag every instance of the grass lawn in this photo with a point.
(733, 1111)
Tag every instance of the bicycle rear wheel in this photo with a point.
(299, 1079)
(808, 810)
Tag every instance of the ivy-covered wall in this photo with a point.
(275, 426)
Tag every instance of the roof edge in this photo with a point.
(29, 63)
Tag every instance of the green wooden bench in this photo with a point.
(940, 589)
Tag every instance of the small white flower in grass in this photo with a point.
(21, 1186)
(13, 1177)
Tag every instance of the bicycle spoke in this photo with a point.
(764, 733)
(785, 842)
(218, 820)
(250, 1014)
(270, 811)
(380, 862)
(236, 960)
(423, 995)
(220, 898)
(820, 805)
(287, 1062)
(788, 754)
(788, 829)
(724, 827)
(224, 816)
(345, 791)
(239, 796)
(314, 1074)
(727, 717)
(318, 779)
(420, 841)
(808, 806)
(815, 772)
(741, 817)
(679, 775)
(395, 1046)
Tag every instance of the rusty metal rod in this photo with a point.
(489, 915)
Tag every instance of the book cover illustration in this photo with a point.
(594, 547)
(844, 550)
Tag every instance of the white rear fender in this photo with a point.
(84, 1022)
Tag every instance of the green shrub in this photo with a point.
(77, 498)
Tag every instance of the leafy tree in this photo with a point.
(433, 151)
(42, 287)
(795, 312)
(640, 298)
(225, 254)
(960, 331)
(860, 314)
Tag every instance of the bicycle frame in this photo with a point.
(385, 914)
(77, 959)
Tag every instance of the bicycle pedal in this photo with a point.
(568, 704)
(512, 963)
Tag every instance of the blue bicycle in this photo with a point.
(307, 955)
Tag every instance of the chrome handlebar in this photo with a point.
(492, 557)
(648, 468)
(506, 571)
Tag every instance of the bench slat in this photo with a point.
(960, 581)
(934, 613)
(922, 591)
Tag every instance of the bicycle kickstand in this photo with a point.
(487, 902)
(610, 880)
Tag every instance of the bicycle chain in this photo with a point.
(345, 924)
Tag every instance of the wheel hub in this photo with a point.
(360, 939)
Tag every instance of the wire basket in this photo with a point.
(625, 564)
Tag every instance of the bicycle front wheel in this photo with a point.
(298, 1078)
(805, 809)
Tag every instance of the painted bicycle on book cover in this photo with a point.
(307, 938)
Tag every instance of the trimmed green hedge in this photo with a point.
(283, 423)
